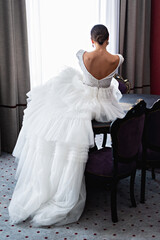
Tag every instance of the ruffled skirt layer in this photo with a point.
(52, 148)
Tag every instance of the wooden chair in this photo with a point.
(151, 144)
(99, 128)
(113, 164)
(124, 84)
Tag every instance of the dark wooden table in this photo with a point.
(99, 127)
(133, 98)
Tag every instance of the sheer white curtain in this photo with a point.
(109, 16)
(58, 29)
(33, 9)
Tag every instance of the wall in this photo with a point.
(155, 47)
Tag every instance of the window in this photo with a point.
(57, 30)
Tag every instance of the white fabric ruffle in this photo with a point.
(52, 148)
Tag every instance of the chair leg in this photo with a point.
(104, 139)
(153, 173)
(114, 202)
(132, 180)
(143, 183)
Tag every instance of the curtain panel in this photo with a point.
(135, 17)
(14, 70)
(109, 16)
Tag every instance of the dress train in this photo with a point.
(52, 148)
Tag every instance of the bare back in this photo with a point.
(100, 63)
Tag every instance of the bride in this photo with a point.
(52, 147)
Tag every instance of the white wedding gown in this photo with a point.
(52, 147)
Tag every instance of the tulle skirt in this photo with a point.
(52, 148)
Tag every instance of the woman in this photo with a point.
(52, 147)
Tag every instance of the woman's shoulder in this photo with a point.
(121, 58)
(117, 58)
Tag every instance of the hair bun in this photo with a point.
(100, 39)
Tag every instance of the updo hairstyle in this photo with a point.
(99, 33)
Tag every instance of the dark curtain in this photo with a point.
(14, 70)
(135, 17)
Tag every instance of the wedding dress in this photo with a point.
(52, 147)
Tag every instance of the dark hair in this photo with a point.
(99, 33)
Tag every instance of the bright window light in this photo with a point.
(57, 29)
(63, 28)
